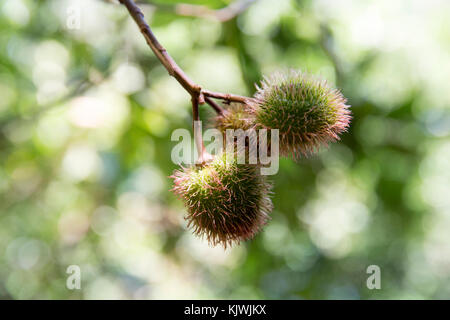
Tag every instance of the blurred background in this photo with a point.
(86, 115)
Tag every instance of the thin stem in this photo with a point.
(197, 135)
(195, 113)
(214, 105)
(203, 156)
(222, 15)
(226, 96)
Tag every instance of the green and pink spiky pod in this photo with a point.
(235, 117)
(226, 202)
(305, 109)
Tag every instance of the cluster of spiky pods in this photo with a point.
(229, 202)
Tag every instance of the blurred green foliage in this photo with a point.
(86, 116)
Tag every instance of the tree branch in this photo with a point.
(198, 96)
(172, 68)
(222, 15)
(191, 10)
(159, 51)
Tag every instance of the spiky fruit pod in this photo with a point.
(226, 202)
(305, 109)
(236, 116)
